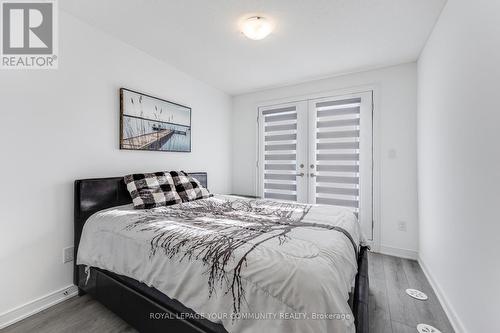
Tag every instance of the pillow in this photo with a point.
(188, 188)
(149, 190)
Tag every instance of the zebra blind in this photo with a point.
(337, 152)
(280, 153)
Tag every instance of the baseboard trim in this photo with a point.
(17, 314)
(397, 252)
(12, 316)
(455, 321)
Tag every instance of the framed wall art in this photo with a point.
(152, 123)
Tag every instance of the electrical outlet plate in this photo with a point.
(402, 226)
(68, 254)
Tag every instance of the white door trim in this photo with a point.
(365, 160)
(377, 105)
(301, 148)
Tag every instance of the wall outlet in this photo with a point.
(401, 225)
(68, 254)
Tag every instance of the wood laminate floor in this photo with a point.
(391, 310)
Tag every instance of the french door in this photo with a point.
(319, 151)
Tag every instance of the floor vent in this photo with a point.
(417, 294)
(424, 328)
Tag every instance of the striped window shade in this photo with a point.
(280, 152)
(319, 151)
(337, 152)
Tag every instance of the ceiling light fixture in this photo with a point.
(256, 27)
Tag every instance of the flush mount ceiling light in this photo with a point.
(256, 27)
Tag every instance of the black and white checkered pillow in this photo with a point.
(149, 190)
(188, 188)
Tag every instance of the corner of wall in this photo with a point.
(455, 321)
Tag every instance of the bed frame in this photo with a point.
(143, 307)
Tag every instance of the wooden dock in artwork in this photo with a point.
(149, 141)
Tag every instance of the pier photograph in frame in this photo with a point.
(152, 123)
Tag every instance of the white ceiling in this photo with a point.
(312, 39)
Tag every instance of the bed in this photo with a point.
(125, 251)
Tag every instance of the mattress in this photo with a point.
(249, 265)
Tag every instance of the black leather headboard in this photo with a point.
(93, 195)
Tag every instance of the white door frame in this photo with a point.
(365, 161)
(301, 148)
(376, 100)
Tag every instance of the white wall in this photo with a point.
(396, 100)
(459, 162)
(60, 125)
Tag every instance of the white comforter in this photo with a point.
(252, 265)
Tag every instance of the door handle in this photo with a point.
(312, 175)
(301, 174)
